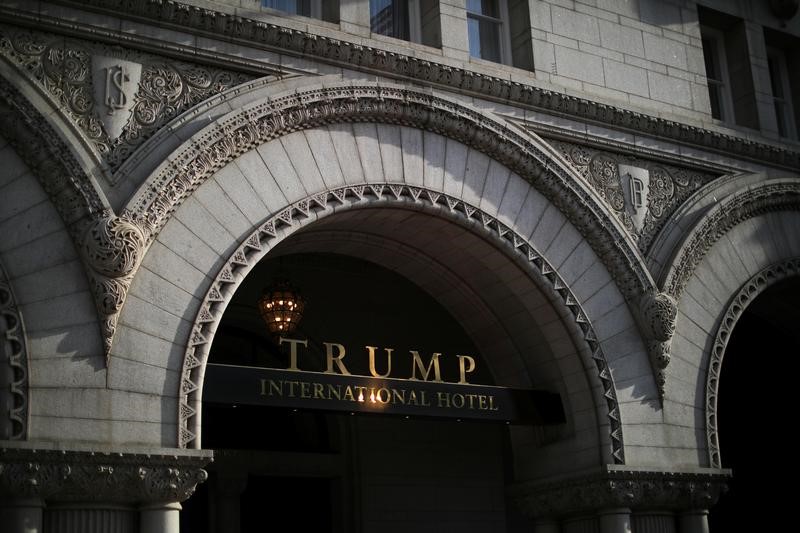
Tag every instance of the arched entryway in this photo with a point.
(755, 402)
(414, 277)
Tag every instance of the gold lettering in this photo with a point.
(335, 391)
(471, 398)
(424, 399)
(412, 398)
(380, 398)
(305, 389)
(458, 400)
(348, 394)
(361, 391)
(319, 391)
(492, 406)
(399, 396)
(293, 350)
(335, 359)
(483, 404)
(463, 369)
(372, 370)
(443, 399)
(292, 385)
(273, 387)
(425, 371)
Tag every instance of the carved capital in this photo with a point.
(108, 477)
(634, 489)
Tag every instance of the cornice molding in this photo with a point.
(738, 305)
(249, 32)
(292, 217)
(14, 353)
(62, 475)
(632, 489)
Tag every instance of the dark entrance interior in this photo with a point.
(277, 468)
(755, 406)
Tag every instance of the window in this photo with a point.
(488, 30)
(783, 62)
(327, 10)
(411, 20)
(731, 85)
(719, 92)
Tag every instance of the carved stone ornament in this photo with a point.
(228, 27)
(118, 98)
(642, 193)
(770, 197)
(658, 313)
(13, 366)
(112, 247)
(262, 122)
(61, 475)
(754, 286)
(619, 488)
(313, 208)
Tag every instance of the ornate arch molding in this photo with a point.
(14, 365)
(111, 247)
(256, 124)
(754, 287)
(770, 196)
(293, 217)
(249, 127)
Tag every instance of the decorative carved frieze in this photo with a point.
(754, 286)
(632, 489)
(117, 97)
(733, 210)
(14, 363)
(62, 475)
(618, 178)
(225, 27)
(264, 238)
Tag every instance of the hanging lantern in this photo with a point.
(281, 307)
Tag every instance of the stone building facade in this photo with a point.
(589, 195)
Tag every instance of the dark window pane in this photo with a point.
(293, 7)
(775, 77)
(484, 7)
(484, 39)
(780, 116)
(710, 56)
(715, 95)
(390, 17)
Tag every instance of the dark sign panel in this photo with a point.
(364, 394)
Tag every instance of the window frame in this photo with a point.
(717, 40)
(315, 10)
(504, 32)
(779, 56)
(414, 24)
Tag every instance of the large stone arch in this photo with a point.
(206, 230)
(762, 281)
(61, 354)
(734, 243)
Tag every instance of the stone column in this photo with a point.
(227, 493)
(616, 520)
(160, 518)
(95, 492)
(21, 515)
(694, 521)
(80, 517)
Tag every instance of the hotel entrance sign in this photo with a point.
(421, 392)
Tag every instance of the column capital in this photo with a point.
(616, 486)
(166, 475)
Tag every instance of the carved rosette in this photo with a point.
(108, 477)
(113, 248)
(658, 313)
(632, 489)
